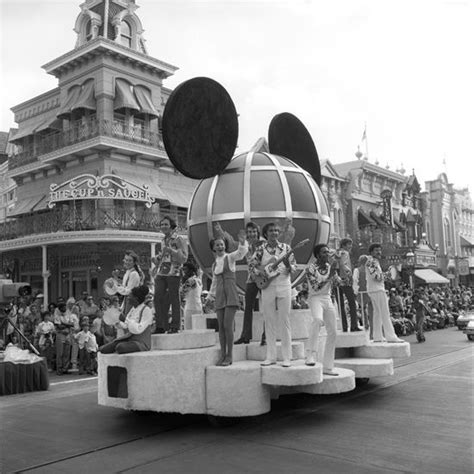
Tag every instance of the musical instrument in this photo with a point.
(270, 271)
(111, 316)
(110, 286)
(391, 273)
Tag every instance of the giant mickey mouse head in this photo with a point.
(200, 132)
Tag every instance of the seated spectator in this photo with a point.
(138, 324)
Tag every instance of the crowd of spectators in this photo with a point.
(68, 333)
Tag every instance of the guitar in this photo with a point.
(270, 271)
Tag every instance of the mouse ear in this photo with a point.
(288, 137)
(200, 128)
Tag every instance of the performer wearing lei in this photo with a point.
(168, 276)
(224, 290)
(277, 294)
(376, 290)
(322, 277)
(137, 323)
(251, 290)
(132, 278)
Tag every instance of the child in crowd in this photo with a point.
(191, 289)
(87, 349)
(45, 329)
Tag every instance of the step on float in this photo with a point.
(179, 374)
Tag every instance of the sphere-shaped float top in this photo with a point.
(261, 188)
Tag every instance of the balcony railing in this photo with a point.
(58, 220)
(82, 130)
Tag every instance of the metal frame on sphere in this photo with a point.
(247, 214)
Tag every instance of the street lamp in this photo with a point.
(410, 261)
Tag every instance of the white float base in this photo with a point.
(236, 390)
(383, 350)
(366, 368)
(257, 352)
(352, 339)
(343, 382)
(297, 374)
(188, 339)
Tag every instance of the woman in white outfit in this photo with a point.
(321, 277)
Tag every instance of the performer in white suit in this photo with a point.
(376, 290)
(321, 276)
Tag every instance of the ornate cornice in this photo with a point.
(59, 238)
(100, 46)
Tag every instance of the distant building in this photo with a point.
(88, 176)
(333, 187)
(387, 206)
(450, 225)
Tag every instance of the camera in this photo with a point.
(9, 290)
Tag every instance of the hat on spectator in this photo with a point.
(39, 295)
(71, 300)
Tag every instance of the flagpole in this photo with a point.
(366, 142)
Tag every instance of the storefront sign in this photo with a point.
(463, 267)
(107, 186)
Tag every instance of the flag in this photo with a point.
(364, 135)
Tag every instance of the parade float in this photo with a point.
(279, 183)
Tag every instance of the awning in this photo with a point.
(143, 96)
(153, 187)
(24, 206)
(50, 123)
(467, 241)
(430, 276)
(379, 221)
(72, 97)
(363, 219)
(41, 204)
(124, 98)
(86, 99)
(27, 129)
(178, 197)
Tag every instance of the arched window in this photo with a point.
(126, 34)
(447, 233)
(89, 30)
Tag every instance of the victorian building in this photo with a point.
(333, 187)
(386, 206)
(450, 224)
(87, 176)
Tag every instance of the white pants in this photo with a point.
(323, 309)
(382, 317)
(274, 297)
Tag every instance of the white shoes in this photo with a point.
(286, 363)
(267, 362)
(330, 372)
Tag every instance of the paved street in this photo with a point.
(420, 420)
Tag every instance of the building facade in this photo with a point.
(450, 225)
(87, 170)
(387, 207)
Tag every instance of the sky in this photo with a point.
(404, 69)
